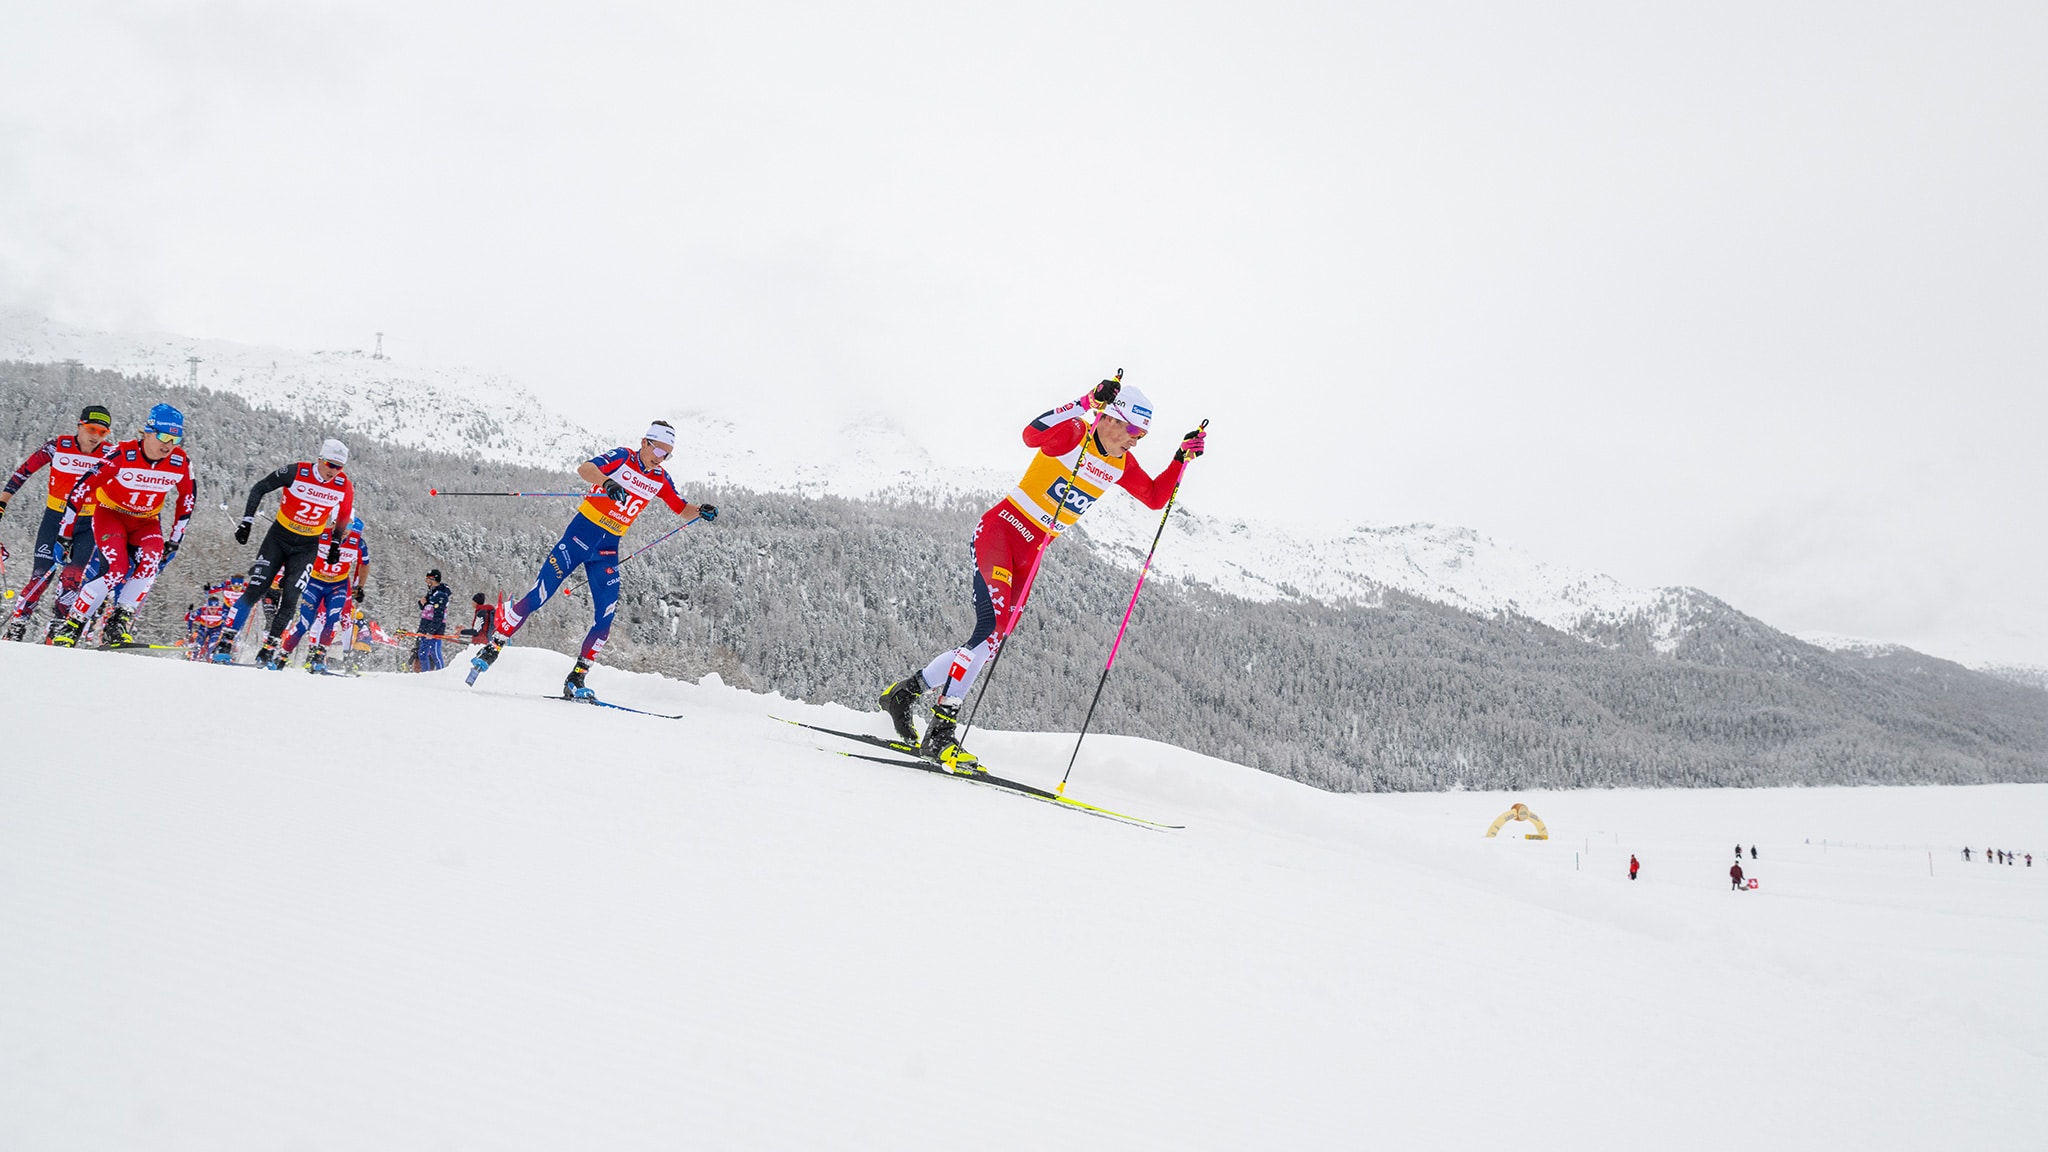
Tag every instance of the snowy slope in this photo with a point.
(489, 920)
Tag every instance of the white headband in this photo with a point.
(661, 434)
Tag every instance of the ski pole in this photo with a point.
(569, 588)
(1142, 573)
(663, 536)
(438, 492)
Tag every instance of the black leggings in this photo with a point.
(282, 549)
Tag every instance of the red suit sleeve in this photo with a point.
(671, 497)
(1152, 491)
(30, 466)
(188, 499)
(1059, 431)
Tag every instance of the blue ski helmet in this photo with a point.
(165, 419)
(355, 523)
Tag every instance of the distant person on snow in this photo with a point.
(483, 623)
(1633, 866)
(1735, 875)
(1752, 851)
(127, 492)
(68, 458)
(1076, 464)
(207, 621)
(318, 502)
(1966, 855)
(426, 647)
(623, 482)
(1738, 851)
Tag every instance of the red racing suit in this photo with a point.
(131, 490)
(1067, 476)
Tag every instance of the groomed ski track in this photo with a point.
(392, 912)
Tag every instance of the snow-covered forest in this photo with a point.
(825, 599)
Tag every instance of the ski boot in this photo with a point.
(897, 701)
(482, 661)
(316, 660)
(941, 747)
(17, 628)
(224, 649)
(115, 634)
(65, 633)
(572, 688)
(267, 657)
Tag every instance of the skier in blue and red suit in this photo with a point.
(623, 482)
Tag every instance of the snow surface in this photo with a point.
(257, 910)
(1854, 645)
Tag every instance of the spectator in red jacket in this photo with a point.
(1735, 875)
(1633, 866)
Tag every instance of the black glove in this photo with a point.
(1105, 393)
(242, 532)
(708, 513)
(3, 507)
(170, 554)
(613, 491)
(334, 551)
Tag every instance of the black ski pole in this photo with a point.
(1111, 663)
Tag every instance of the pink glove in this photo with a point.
(1192, 444)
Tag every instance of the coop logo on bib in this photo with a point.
(1076, 500)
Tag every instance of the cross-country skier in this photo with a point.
(207, 621)
(318, 500)
(426, 647)
(68, 458)
(332, 587)
(1075, 465)
(127, 492)
(623, 482)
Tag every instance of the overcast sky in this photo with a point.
(1744, 296)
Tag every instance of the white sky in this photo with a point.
(1744, 296)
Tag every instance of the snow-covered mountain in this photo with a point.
(442, 409)
(462, 411)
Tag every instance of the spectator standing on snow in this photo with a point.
(1738, 851)
(1752, 851)
(1966, 854)
(1633, 866)
(426, 647)
(479, 631)
(1735, 875)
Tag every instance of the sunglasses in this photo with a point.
(169, 437)
(657, 447)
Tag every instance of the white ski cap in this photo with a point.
(334, 451)
(661, 433)
(1132, 407)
